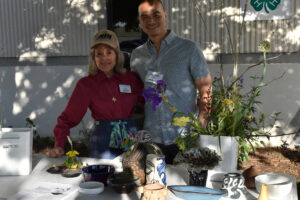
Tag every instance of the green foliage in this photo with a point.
(284, 144)
(229, 112)
(30, 124)
(71, 162)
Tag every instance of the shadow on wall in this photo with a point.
(49, 28)
(295, 122)
(38, 93)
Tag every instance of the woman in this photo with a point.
(110, 92)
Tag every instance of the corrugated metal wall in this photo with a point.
(183, 18)
(34, 28)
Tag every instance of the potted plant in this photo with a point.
(228, 112)
(72, 164)
(197, 161)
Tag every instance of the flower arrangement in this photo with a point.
(72, 162)
(197, 159)
(227, 112)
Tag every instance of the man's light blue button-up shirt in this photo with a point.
(181, 62)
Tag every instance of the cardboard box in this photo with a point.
(16, 151)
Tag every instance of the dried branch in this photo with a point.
(284, 134)
(252, 66)
(201, 17)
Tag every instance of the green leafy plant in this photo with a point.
(30, 124)
(227, 112)
(72, 161)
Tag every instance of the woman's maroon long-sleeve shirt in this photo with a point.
(97, 93)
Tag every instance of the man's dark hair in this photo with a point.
(151, 2)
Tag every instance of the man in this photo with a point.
(177, 61)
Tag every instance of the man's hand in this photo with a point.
(56, 152)
(204, 86)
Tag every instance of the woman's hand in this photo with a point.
(56, 152)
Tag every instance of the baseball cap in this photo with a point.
(106, 37)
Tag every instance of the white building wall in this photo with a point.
(44, 28)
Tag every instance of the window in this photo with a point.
(122, 18)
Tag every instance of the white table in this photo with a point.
(10, 185)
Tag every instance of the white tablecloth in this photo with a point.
(10, 185)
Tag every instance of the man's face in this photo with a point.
(152, 19)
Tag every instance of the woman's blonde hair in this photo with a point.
(119, 68)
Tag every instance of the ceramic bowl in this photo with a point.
(98, 173)
(70, 173)
(277, 184)
(189, 192)
(91, 187)
(123, 182)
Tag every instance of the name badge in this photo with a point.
(153, 77)
(125, 88)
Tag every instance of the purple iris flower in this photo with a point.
(152, 96)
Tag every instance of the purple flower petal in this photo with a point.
(152, 96)
(161, 85)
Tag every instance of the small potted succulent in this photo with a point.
(197, 161)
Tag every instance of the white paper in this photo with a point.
(46, 190)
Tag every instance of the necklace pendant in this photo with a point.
(114, 99)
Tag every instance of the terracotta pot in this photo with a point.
(249, 175)
(153, 192)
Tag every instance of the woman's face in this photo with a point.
(105, 59)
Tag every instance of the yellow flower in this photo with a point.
(53, 165)
(249, 117)
(228, 101)
(74, 166)
(181, 121)
(165, 99)
(72, 153)
(228, 105)
(125, 141)
(173, 109)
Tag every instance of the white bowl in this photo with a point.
(277, 184)
(91, 187)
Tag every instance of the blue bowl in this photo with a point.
(189, 192)
(98, 173)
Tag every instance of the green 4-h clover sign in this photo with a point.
(258, 5)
